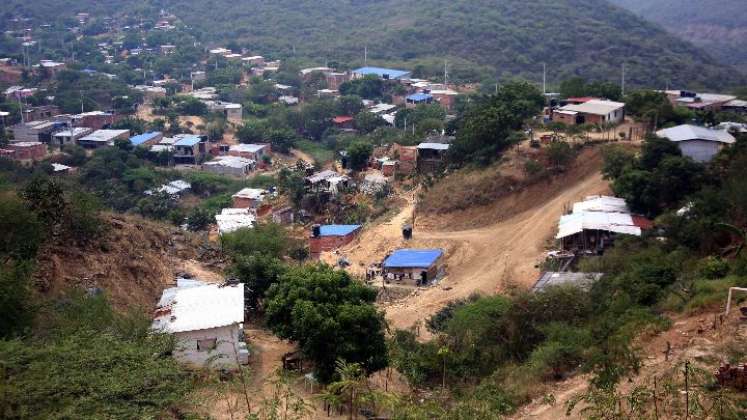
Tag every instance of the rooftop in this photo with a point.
(413, 258)
(250, 193)
(382, 72)
(188, 141)
(549, 279)
(231, 220)
(104, 135)
(337, 230)
(595, 106)
(143, 138)
(433, 146)
(693, 132)
(419, 97)
(247, 148)
(230, 162)
(198, 306)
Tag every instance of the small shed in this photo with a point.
(416, 267)
(330, 237)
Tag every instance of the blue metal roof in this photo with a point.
(382, 72)
(188, 141)
(413, 258)
(338, 230)
(419, 97)
(142, 138)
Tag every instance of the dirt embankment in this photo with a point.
(500, 192)
(488, 250)
(701, 339)
(134, 261)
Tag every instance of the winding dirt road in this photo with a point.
(487, 260)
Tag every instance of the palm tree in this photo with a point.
(352, 388)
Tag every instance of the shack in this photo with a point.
(415, 267)
(595, 222)
(330, 237)
(207, 322)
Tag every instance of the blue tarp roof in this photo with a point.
(413, 258)
(338, 230)
(188, 141)
(382, 72)
(419, 97)
(142, 138)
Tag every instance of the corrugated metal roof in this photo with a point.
(413, 258)
(688, 132)
(188, 141)
(250, 193)
(231, 220)
(582, 280)
(382, 72)
(575, 223)
(142, 138)
(248, 148)
(199, 306)
(602, 203)
(433, 146)
(595, 106)
(419, 97)
(337, 230)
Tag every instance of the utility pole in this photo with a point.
(365, 55)
(81, 102)
(544, 78)
(446, 73)
(622, 88)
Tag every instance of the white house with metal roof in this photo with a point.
(698, 143)
(207, 322)
(595, 111)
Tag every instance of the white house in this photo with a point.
(698, 143)
(207, 322)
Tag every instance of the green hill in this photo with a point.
(717, 26)
(480, 38)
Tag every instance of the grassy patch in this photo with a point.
(319, 153)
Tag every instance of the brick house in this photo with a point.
(248, 198)
(330, 237)
(254, 152)
(28, 150)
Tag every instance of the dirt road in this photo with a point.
(487, 260)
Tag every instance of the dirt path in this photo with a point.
(486, 260)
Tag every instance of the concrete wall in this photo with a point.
(700, 150)
(224, 354)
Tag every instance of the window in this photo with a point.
(207, 344)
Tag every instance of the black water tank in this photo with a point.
(316, 230)
(407, 232)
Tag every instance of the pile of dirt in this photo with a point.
(132, 264)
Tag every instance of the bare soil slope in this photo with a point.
(501, 253)
(134, 261)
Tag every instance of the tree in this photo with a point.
(559, 154)
(358, 155)
(487, 126)
(265, 239)
(349, 105)
(331, 316)
(617, 160)
(257, 272)
(366, 122)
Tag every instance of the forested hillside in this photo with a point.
(482, 39)
(718, 26)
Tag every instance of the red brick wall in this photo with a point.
(243, 203)
(29, 153)
(329, 243)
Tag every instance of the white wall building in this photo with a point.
(207, 321)
(698, 143)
